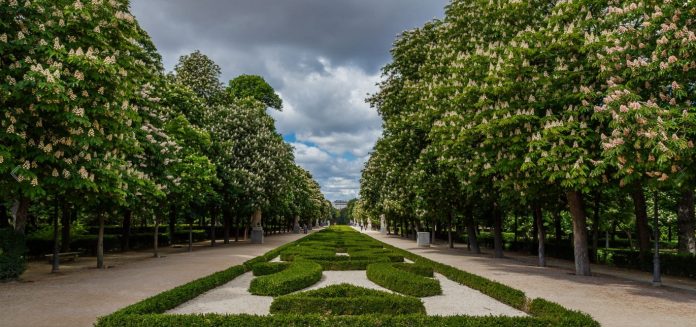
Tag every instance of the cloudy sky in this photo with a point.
(322, 56)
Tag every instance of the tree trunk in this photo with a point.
(514, 228)
(577, 212)
(541, 234)
(497, 230)
(56, 242)
(190, 240)
(65, 221)
(595, 224)
(450, 240)
(126, 229)
(22, 214)
(226, 226)
(471, 232)
(213, 215)
(156, 237)
(686, 223)
(558, 226)
(641, 212)
(4, 217)
(172, 223)
(100, 242)
(236, 229)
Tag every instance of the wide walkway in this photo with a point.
(76, 297)
(610, 299)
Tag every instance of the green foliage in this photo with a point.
(402, 281)
(300, 274)
(346, 299)
(13, 260)
(415, 269)
(675, 264)
(317, 320)
(560, 316)
(170, 299)
(498, 291)
(269, 268)
(255, 87)
(147, 312)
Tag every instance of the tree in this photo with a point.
(254, 86)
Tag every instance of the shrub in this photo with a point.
(346, 299)
(268, 268)
(420, 270)
(348, 263)
(675, 264)
(13, 260)
(178, 295)
(402, 281)
(315, 320)
(560, 316)
(299, 275)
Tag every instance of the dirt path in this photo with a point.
(77, 296)
(611, 300)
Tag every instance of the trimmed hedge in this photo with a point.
(300, 274)
(172, 298)
(317, 320)
(148, 312)
(416, 269)
(13, 259)
(346, 299)
(349, 263)
(402, 281)
(560, 316)
(268, 268)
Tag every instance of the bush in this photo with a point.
(420, 270)
(348, 263)
(299, 275)
(346, 299)
(560, 316)
(147, 312)
(172, 298)
(316, 320)
(402, 281)
(13, 259)
(269, 268)
(675, 264)
(498, 291)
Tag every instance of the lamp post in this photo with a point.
(657, 280)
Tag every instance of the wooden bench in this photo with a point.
(65, 256)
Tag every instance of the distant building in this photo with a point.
(340, 204)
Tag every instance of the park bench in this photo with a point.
(65, 256)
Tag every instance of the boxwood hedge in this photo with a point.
(346, 299)
(300, 274)
(402, 281)
(149, 311)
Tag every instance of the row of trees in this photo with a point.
(507, 107)
(90, 121)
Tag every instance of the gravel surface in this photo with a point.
(234, 298)
(77, 296)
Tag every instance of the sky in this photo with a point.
(323, 57)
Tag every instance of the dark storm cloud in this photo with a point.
(322, 56)
(358, 32)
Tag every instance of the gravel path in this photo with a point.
(76, 297)
(234, 298)
(612, 301)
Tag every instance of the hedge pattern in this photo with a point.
(300, 274)
(148, 312)
(402, 281)
(346, 299)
